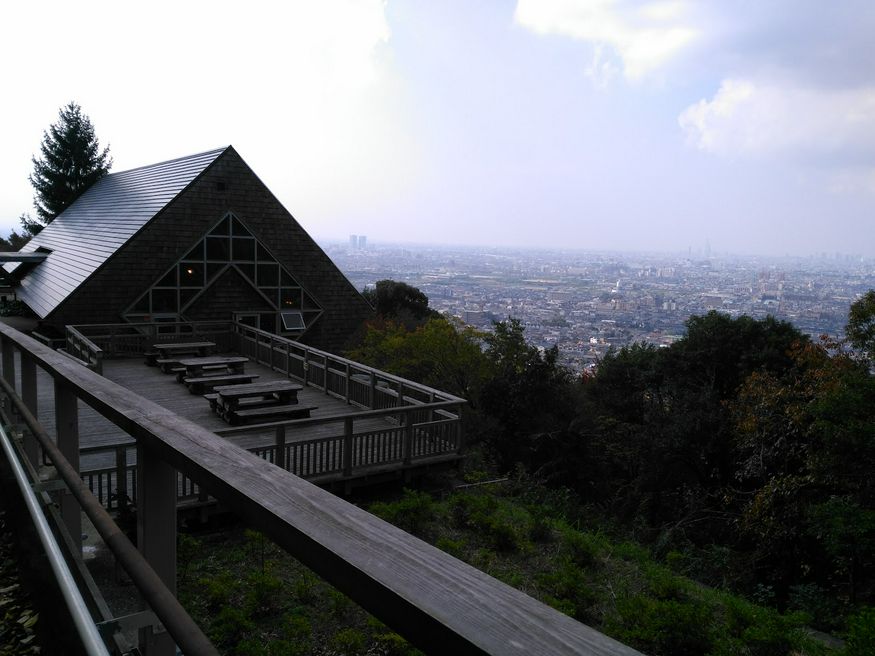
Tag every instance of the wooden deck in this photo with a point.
(96, 431)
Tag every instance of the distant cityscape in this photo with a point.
(587, 302)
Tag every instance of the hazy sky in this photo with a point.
(594, 124)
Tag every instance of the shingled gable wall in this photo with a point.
(228, 185)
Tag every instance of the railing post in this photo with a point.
(156, 534)
(270, 353)
(8, 362)
(460, 430)
(347, 446)
(67, 427)
(121, 477)
(347, 383)
(325, 373)
(373, 404)
(281, 448)
(407, 448)
(306, 366)
(29, 396)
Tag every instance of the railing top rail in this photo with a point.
(94, 348)
(346, 361)
(438, 602)
(355, 416)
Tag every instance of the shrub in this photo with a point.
(412, 513)
(662, 627)
(218, 589)
(861, 633)
(348, 641)
(582, 548)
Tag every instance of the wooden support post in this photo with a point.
(29, 396)
(67, 426)
(325, 374)
(8, 362)
(347, 383)
(156, 534)
(281, 448)
(306, 367)
(373, 404)
(347, 446)
(460, 430)
(407, 448)
(121, 477)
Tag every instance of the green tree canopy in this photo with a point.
(861, 323)
(400, 302)
(71, 162)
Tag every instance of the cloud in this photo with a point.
(751, 118)
(643, 37)
(306, 91)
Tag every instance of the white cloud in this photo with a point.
(745, 117)
(644, 37)
(305, 90)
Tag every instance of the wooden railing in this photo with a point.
(83, 349)
(345, 456)
(437, 602)
(127, 339)
(344, 379)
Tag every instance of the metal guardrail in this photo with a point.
(89, 636)
(163, 602)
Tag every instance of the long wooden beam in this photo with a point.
(437, 602)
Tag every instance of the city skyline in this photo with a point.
(590, 125)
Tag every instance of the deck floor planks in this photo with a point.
(95, 430)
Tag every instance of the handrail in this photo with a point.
(171, 613)
(84, 346)
(85, 627)
(315, 421)
(439, 603)
(408, 384)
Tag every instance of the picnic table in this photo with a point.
(278, 398)
(194, 367)
(177, 348)
(280, 392)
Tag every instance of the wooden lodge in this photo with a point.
(198, 238)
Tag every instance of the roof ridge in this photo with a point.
(171, 161)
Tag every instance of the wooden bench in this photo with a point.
(195, 366)
(178, 349)
(203, 384)
(213, 398)
(213, 369)
(293, 411)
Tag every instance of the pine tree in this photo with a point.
(71, 162)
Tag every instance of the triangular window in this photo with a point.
(229, 243)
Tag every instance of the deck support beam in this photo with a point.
(67, 426)
(29, 394)
(156, 534)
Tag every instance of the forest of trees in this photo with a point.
(744, 451)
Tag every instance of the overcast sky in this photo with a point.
(591, 124)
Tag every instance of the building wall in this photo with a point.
(228, 185)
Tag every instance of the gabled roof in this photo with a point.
(100, 222)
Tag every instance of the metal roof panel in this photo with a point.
(99, 222)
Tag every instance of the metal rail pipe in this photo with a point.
(82, 620)
(173, 616)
